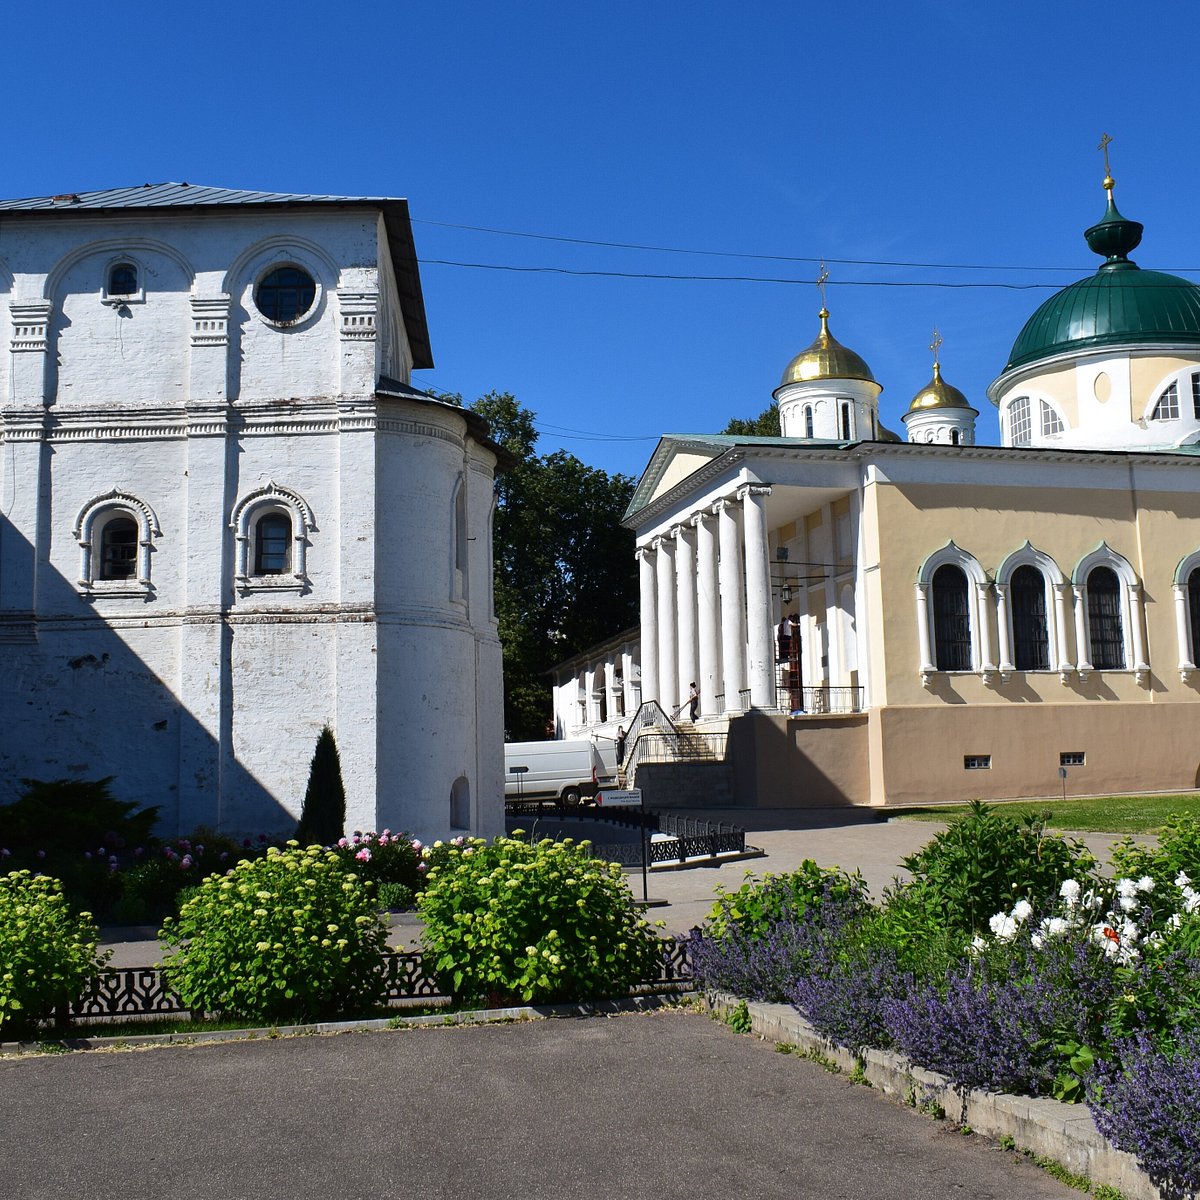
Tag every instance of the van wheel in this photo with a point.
(572, 797)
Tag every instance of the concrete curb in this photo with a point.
(1062, 1132)
(484, 1016)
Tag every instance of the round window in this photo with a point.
(285, 294)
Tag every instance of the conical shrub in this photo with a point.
(323, 818)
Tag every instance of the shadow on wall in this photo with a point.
(79, 703)
(806, 762)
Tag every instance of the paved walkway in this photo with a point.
(853, 839)
(667, 1105)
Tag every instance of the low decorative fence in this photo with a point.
(143, 992)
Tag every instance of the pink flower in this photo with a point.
(387, 833)
(416, 843)
(185, 862)
(364, 855)
(422, 867)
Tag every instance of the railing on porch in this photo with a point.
(815, 701)
(690, 747)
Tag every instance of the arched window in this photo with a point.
(458, 588)
(951, 619)
(460, 804)
(1167, 408)
(1193, 604)
(122, 279)
(845, 422)
(1031, 631)
(273, 543)
(119, 547)
(1020, 422)
(272, 525)
(1106, 634)
(115, 533)
(955, 437)
(1051, 421)
(808, 421)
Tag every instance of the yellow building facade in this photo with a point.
(880, 622)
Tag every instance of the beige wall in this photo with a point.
(990, 523)
(1128, 749)
(809, 762)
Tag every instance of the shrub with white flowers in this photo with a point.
(533, 922)
(47, 953)
(292, 936)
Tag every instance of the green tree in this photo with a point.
(766, 424)
(323, 818)
(565, 573)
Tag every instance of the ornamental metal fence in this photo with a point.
(143, 992)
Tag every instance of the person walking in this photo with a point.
(693, 701)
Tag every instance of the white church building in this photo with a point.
(227, 519)
(873, 621)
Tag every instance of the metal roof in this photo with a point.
(183, 196)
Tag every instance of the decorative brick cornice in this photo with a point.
(30, 326)
(210, 321)
(358, 310)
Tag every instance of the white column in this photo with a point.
(733, 644)
(627, 688)
(927, 665)
(1183, 634)
(648, 593)
(1140, 665)
(1060, 622)
(833, 648)
(758, 596)
(1081, 632)
(610, 690)
(861, 624)
(708, 602)
(591, 715)
(668, 644)
(1006, 662)
(685, 580)
(988, 665)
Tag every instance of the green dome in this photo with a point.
(1120, 305)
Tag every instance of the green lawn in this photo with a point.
(1103, 814)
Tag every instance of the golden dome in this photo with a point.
(886, 435)
(826, 358)
(937, 393)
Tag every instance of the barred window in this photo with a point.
(1020, 422)
(118, 548)
(1031, 635)
(845, 422)
(273, 544)
(1105, 632)
(1193, 591)
(951, 619)
(977, 762)
(1071, 758)
(122, 279)
(808, 421)
(1167, 408)
(1051, 421)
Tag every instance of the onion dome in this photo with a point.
(886, 435)
(826, 358)
(1121, 305)
(937, 393)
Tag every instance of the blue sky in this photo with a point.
(925, 131)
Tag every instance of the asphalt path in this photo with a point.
(662, 1105)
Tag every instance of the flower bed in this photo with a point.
(1070, 987)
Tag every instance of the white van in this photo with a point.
(565, 771)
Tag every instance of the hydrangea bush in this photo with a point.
(48, 955)
(292, 936)
(533, 922)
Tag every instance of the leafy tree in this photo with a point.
(766, 424)
(565, 573)
(323, 818)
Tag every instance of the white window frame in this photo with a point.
(1052, 422)
(1183, 617)
(1133, 639)
(1170, 397)
(118, 299)
(459, 543)
(272, 498)
(977, 613)
(1010, 419)
(89, 526)
(1056, 608)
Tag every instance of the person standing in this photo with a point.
(693, 701)
(620, 745)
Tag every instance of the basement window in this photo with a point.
(977, 762)
(1071, 758)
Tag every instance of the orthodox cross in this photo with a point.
(1105, 140)
(822, 280)
(936, 344)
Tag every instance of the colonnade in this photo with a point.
(706, 607)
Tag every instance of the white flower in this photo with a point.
(1038, 941)
(1070, 891)
(977, 944)
(1145, 884)
(1126, 887)
(1003, 926)
(1181, 880)
(1127, 903)
(1022, 911)
(1055, 926)
(1191, 900)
